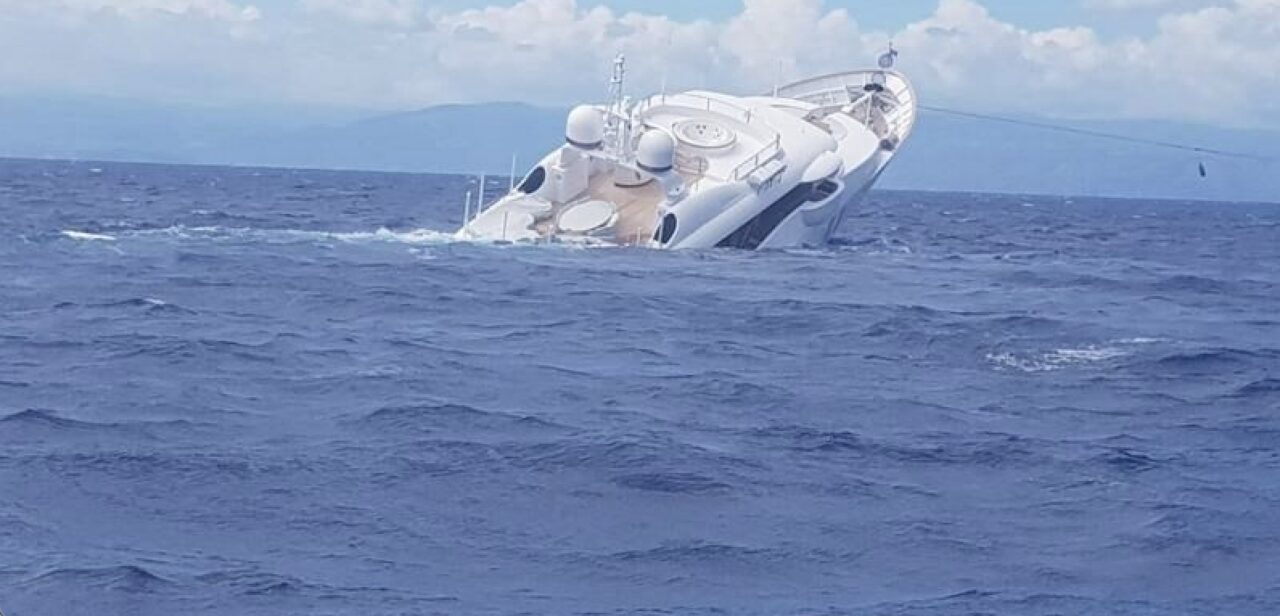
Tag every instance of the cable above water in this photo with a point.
(1101, 134)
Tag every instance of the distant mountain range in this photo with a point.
(946, 153)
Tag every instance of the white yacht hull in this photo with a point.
(702, 170)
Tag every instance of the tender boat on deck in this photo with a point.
(704, 169)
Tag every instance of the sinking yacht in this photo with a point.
(704, 169)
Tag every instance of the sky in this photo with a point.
(1215, 62)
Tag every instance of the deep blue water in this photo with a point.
(280, 392)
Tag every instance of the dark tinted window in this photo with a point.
(533, 181)
(667, 230)
(758, 229)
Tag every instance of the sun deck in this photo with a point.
(637, 207)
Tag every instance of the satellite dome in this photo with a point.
(585, 128)
(656, 152)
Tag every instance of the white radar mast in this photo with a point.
(619, 122)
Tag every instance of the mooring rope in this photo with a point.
(1101, 134)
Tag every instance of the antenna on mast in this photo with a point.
(617, 82)
(666, 63)
(619, 123)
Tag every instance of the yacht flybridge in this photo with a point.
(704, 169)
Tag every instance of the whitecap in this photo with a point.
(87, 237)
(1056, 359)
(1140, 341)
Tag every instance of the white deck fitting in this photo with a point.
(587, 217)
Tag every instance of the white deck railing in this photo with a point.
(699, 102)
(758, 160)
(833, 90)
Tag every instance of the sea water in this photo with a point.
(247, 391)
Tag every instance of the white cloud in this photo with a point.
(1148, 5)
(799, 34)
(1218, 63)
(222, 10)
(389, 13)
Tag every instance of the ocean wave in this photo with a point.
(908, 322)
(175, 347)
(431, 418)
(1192, 284)
(149, 305)
(979, 601)
(627, 455)
(1064, 280)
(991, 450)
(1263, 388)
(253, 583)
(130, 579)
(42, 418)
(721, 387)
(1127, 461)
(672, 483)
(1195, 533)
(1210, 361)
(427, 459)
(698, 552)
(42, 424)
(1021, 324)
(137, 465)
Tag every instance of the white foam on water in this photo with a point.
(419, 239)
(1137, 341)
(414, 237)
(87, 237)
(1056, 359)
(217, 233)
(1060, 359)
